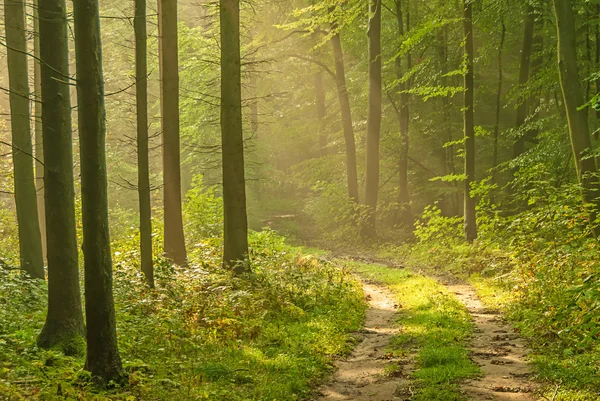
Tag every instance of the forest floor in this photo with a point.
(429, 339)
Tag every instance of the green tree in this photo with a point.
(103, 359)
(64, 327)
(235, 253)
(30, 241)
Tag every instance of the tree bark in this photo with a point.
(235, 254)
(373, 117)
(64, 323)
(141, 94)
(174, 240)
(573, 100)
(321, 111)
(340, 82)
(30, 241)
(37, 116)
(470, 216)
(102, 357)
(404, 215)
(522, 109)
(498, 104)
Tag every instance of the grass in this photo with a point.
(434, 324)
(201, 335)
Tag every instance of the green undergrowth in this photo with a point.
(434, 326)
(541, 269)
(201, 334)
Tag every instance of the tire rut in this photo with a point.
(361, 377)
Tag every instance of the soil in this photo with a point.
(362, 376)
(500, 352)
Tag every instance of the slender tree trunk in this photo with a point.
(498, 104)
(321, 111)
(103, 358)
(340, 81)
(37, 116)
(573, 100)
(30, 241)
(470, 217)
(174, 240)
(64, 323)
(373, 117)
(404, 215)
(234, 186)
(522, 110)
(597, 52)
(141, 94)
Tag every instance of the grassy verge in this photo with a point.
(434, 324)
(201, 335)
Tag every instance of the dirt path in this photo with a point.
(498, 350)
(361, 376)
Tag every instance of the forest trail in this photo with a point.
(498, 350)
(361, 376)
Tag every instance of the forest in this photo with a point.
(359, 200)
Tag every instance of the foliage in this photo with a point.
(201, 334)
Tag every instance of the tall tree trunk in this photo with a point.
(597, 14)
(470, 217)
(64, 323)
(37, 116)
(498, 104)
(573, 100)
(522, 110)
(30, 241)
(235, 254)
(141, 98)
(321, 111)
(373, 117)
(340, 82)
(103, 359)
(174, 240)
(404, 215)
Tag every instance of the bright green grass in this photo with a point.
(201, 335)
(435, 324)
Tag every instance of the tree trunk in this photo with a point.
(64, 323)
(470, 217)
(404, 215)
(522, 110)
(340, 82)
(174, 240)
(30, 241)
(573, 100)
(498, 104)
(103, 359)
(373, 117)
(321, 111)
(37, 116)
(141, 94)
(235, 254)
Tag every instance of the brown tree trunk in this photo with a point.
(174, 240)
(373, 118)
(141, 98)
(404, 215)
(522, 110)
(235, 254)
(340, 81)
(573, 100)
(64, 323)
(498, 104)
(30, 240)
(37, 116)
(102, 356)
(470, 216)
